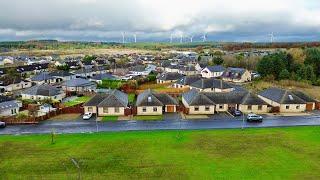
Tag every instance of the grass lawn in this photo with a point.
(110, 118)
(66, 117)
(77, 101)
(271, 153)
(148, 118)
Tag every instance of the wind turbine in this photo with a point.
(204, 37)
(123, 37)
(271, 37)
(181, 38)
(171, 38)
(135, 37)
(191, 38)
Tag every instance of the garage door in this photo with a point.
(309, 106)
(170, 108)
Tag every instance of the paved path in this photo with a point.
(170, 124)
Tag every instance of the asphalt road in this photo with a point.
(168, 124)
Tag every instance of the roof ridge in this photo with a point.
(284, 95)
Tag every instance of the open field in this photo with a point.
(76, 52)
(312, 91)
(272, 153)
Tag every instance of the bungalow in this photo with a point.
(283, 100)
(212, 71)
(210, 102)
(113, 102)
(237, 75)
(99, 77)
(186, 81)
(211, 85)
(187, 70)
(311, 104)
(61, 76)
(44, 91)
(79, 85)
(201, 65)
(151, 103)
(168, 77)
(172, 68)
(9, 84)
(9, 106)
(43, 78)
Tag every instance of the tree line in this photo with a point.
(283, 65)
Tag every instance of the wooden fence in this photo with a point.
(78, 109)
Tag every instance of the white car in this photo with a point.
(87, 116)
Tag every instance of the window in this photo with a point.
(220, 107)
(287, 107)
(105, 110)
(90, 109)
(144, 109)
(259, 107)
(207, 108)
(155, 109)
(116, 109)
(196, 108)
(298, 107)
(249, 107)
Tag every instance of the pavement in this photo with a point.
(170, 122)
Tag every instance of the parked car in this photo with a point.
(254, 118)
(235, 112)
(87, 116)
(2, 124)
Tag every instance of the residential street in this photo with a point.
(168, 124)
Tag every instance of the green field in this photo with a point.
(273, 153)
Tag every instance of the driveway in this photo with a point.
(92, 126)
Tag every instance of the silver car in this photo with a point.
(254, 118)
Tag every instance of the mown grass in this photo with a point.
(110, 118)
(272, 153)
(148, 118)
(77, 101)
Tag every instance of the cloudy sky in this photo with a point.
(157, 20)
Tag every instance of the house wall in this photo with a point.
(86, 109)
(111, 111)
(202, 110)
(224, 107)
(210, 74)
(57, 98)
(149, 110)
(254, 109)
(244, 78)
(18, 86)
(9, 112)
(292, 108)
(79, 89)
(163, 82)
